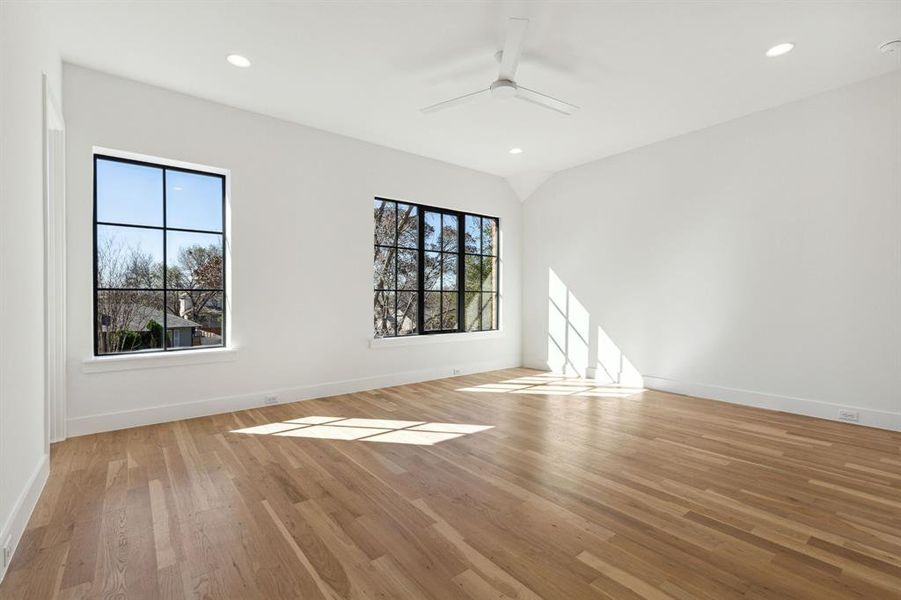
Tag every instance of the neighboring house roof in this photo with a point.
(140, 316)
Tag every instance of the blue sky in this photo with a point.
(133, 194)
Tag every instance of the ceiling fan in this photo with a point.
(505, 86)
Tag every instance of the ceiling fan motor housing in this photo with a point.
(505, 86)
(503, 89)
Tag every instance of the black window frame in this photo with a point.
(464, 290)
(459, 251)
(164, 228)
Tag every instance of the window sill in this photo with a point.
(438, 338)
(103, 364)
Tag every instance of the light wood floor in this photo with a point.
(568, 495)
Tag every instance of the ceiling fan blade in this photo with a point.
(453, 102)
(516, 33)
(544, 100)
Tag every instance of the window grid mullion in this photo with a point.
(396, 259)
(160, 227)
(96, 270)
(165, 339)
(497, 274)
(223, 325)
(159, 289)
(441, 276)
(481, 274)
(420, 300)
(461, 270)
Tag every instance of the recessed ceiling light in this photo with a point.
(780, 49)
(238, 60)
(515, 150)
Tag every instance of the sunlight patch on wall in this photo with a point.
(613, 365)
(571, 349)
(391, 431)
(568, 330)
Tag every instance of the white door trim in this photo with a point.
(54, 268)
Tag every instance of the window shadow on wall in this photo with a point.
(578, 347)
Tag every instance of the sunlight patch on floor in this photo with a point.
(329, 432)
(391, 431)
(451, 427)
(553, 384)
(420, 438)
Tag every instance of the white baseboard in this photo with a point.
(22, 509)
(539, 364)
(173, 412)
(800, 406)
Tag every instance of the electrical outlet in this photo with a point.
(458, 371)
(7, 551)
(849, 415)
(270, 400)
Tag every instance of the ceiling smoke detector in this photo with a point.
(892, 47)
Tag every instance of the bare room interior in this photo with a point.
(450, 300)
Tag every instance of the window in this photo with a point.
(159, 257)
(434, 271)
(480, 274)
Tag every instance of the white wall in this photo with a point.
(758, 261)
(301, 206)
(25, 52)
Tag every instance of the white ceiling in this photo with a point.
(641, 71)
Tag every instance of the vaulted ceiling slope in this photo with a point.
(640, 71)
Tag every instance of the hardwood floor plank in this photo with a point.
(567, 494)
(324, 588)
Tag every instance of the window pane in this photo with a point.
(194, 319)
(489, 314)
(129, 257)
(449, 272)
(449, 308)
(128, 193)
(193, 201)
(489, 277)
(473, 241)
(489, 236)
(472, 306)
(384, 212)
(432, 271)
(432, 231)
(193, 260)
(383, 268)
(407, 226)
(129, 321)
(417, 275)
(383, 323)
(432, 311)
(407, 269)
(450, 227)
(407, 310)
(473, 274)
